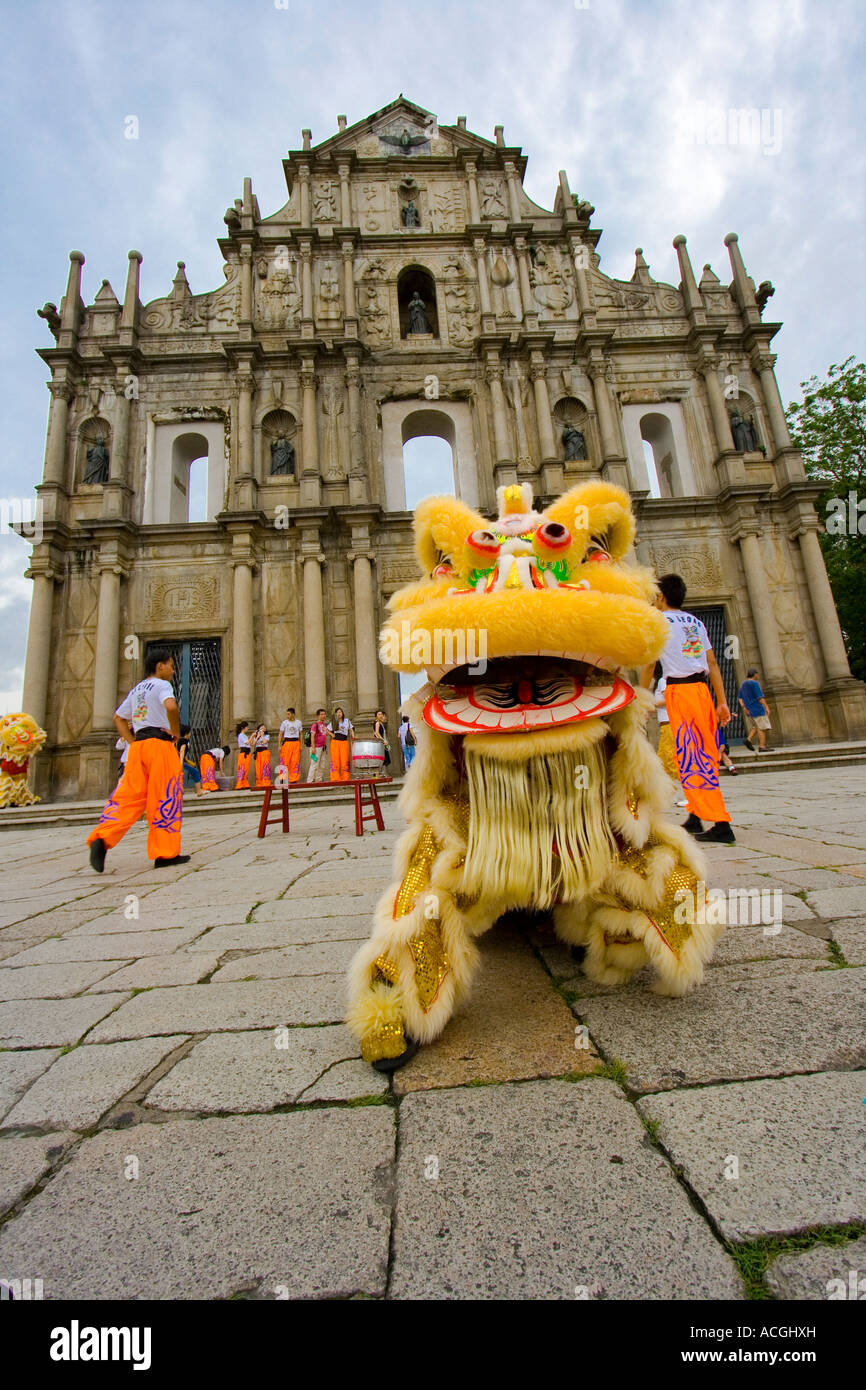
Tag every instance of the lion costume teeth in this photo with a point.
(534, 786)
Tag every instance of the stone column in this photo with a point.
(130, 299)
(107, 649)
(306, 287)
(513, 193)
(763, 362)
(772, 658)
(580, 254)
(358, 490)
(483, 285)
(314, 635)
(311, 485)
(366, 658)
(546, 440)
(826, 617)
(472, 183)
(55, 448)
(37, 665)
(523, 276)
(246, 306)
(349, 280)
(243, 641)
(245, 481)
(501, 438)
(304, 180)
(345, 196)
(70, 308)
(615, 465)
(708, 366)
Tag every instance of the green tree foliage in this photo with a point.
(829, 425)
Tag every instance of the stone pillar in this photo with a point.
(366, 657)
(311, 485)
(70, 309)
(358, 489)
(513, 190)
(502, 441)
(243, 641)
(744, 290)
(55, 448)
(345, 197)
(37, 665)
(314, 635)
(772, 658)
(483, 285)
(349, 280)
(551, 468)
(130, 299)
(304, 180)
(107, 649)
(306, 286)
(245, 480)
(524, 281)
(826, 617)
(579, 255)
(763, 362)
(615, 465)
(715, 395)
(245, 316)
(691, 294)
(472, 183)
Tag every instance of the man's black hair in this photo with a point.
(155, 658)
(290, 710)
(673, 589)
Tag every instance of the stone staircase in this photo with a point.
(795, 757)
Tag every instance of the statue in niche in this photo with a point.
(282, 457)
(410, 214)
(97, 462)
(575, 444)
(547, 280)
(744, 434)
(418, 320)
(492, 205)
(329, 293)
(325, 203)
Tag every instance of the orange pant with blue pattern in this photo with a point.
(151, 786)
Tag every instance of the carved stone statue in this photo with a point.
(410, 215)
(282, 457)
(764, 292)
(418, 321)
(97, 462)
(744, 434)
(575, 444)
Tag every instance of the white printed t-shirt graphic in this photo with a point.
(291, 728)
(688, 644)
(144, 706)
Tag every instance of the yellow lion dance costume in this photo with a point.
(534, 785)
(20, 740)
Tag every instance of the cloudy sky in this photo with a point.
(625, 95)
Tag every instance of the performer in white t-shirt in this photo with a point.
(149, 721)
(244, 755)
(290, 744)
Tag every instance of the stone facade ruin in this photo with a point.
(301, 378)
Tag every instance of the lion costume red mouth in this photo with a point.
(524, 695)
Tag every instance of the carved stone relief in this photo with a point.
(183, 597)
(279, 296)
(699, 566)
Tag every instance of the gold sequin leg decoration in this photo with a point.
(385, 1040)
(431, 963)
(670, 917)
(418, 873)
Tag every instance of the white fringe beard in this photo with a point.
(519, 809)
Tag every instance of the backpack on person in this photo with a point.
(410, 739)
(307, 738)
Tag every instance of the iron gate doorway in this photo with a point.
(713, 620)
(197, 689)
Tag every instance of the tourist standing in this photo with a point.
(687, 661)
(342, 738)
(244, 756)
(407, 741)
(187, 763)
(318, 748)
(261, 749)
(210, 763)
(756, 711)
(380, 731)
(149, 721)
(290, 744)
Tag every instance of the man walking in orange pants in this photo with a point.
(149, 721)
(688, 661)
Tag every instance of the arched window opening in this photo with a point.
(428, 456)
(416, 296)
(651, 468)
(656, 432)
(189, 449)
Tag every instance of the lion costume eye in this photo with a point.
(482, 549)
(551, 540)
(597, 550)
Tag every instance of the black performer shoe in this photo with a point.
(98, 851)
(168, 863)
(394, 1063)
(694, 825)
(720, 833)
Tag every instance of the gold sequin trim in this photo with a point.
(385, 1040)
(460, 811)
(386, 969)
(431, 963)
(675, 933)
(418, 873)
(634, 859)
(631, 803)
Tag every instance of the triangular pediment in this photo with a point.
(399, 129)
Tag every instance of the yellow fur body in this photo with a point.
(486, 813)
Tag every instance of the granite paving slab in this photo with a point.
(799, 1145)
(154, 972)
(52, 981)
(826, 1272)
(85, 1083)
(18, 1070)
(834, 903)
(26, 1023)
(296, 931)
(219, 1206)
(116, 946)
(231, 1007)
(264, 1068)
(850, 936)
(343, 905)
(23, 1162)
(543, 1190)
(320, 958)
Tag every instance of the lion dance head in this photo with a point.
(20, 740)
(534, 786)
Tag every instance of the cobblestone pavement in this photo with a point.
(183, 1115)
